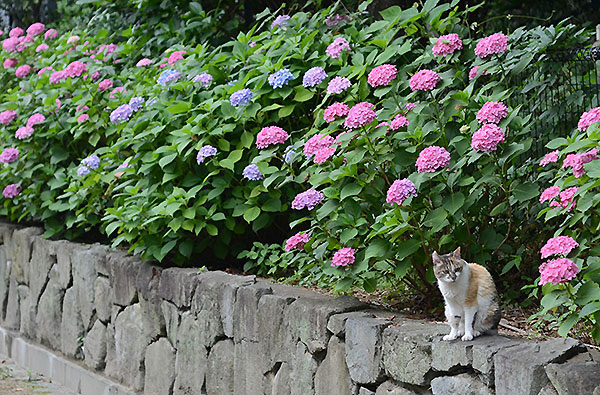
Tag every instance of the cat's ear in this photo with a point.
(456, 252)
(435, 257)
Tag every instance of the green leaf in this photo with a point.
(589, 309)
(178, 108)
(285, 111)
(230, 161)
(348, 234)
(593, 169)
(350, 190)
(452, 203)
(407, 248)
(525, 191)
(436, 219)
(165, 160)
(196, 8)
(251, 214)
(567, 324)
(499, 209)
(302, 94)
(377, 248)
(166, 249)
(370, 284)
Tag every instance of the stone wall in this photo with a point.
(182, 331)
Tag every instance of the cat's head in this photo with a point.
(448, 267)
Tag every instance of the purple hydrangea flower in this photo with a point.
(289, 155)
(121, 114)
(308, 199)
(205, 79)
(83, 171)
(11, 191)
(337, 85)
(92, 161)
(168, 76)
(252, 172)
(400, 191)
(280, 21)
(313, 76)
(205, 152)
(280, 78)
(241, 97)
(136, 103)
(124, 165)
(9, 155)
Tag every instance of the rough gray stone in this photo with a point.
(304, 368)
(391, 388)
(191, 358)
(177, 285)
(27, 327)
(524, 364)
(308, 317)
(160, 368)
(147, 284)
(12, 318)
(275, 337)
(220, 373)
(64, 250)
(407, 350)
(123, 273)
(84, 275)
(281, 381)
(365, 391)
(4, 279)
(462, 384)
(43, 257)
(249, 367)
(205, 305)
(71, 327)
(548, 390)
(130, 346)
(483, 351)
(446, 355)
(94, 346)
(49, 313)
(21, 241)
(596, 391)
(337, 322)
(576, 378)
(332, 377)
(110, 344)
(364, 349)
(172, 317)
(227, 298)
(245, 315)
(102, 298)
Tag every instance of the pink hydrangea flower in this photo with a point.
(335, 110)
(308, 199)
(81, 107)
(360, 114)
(400, 191)
(316, 143)
(50, 34)
(297, 241)
(11, 191)
(6, 117)
(382, 75)
(496, 43)
(588, 118)
(23, 71)
(336, 48)
(576, 161)
(58, 76)
(343, 257)
(560, 245)
(16, 32)
(271, 135)
(75, 69)
(382, 124)
(42, 47)
(409, 106)
(487, 138)
(324, 153)
(549, 193)
(433, 158)
(105, 85)
(338, 85)
(398, 122)
(424, 80)
(175, 57)
(35, 119)
(445, 45)
(144, 62)
(44, 69)
(10, 44)
(551, 157)
(10, 62)
(35, 29)
(82, 118)
(24, 132)
(558, 271)
(492, 112)
(73, 40)
(566, 199)
(9, 155)
(118, 90)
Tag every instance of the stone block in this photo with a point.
(524, 364)
(332, 377)
(49, 312)
(177, 285)
(123, 276)
(337, 322)
(84, 274)
(27, 327)
(462, 384)
(391, 388)
(281, 380)
(172, 317)
(94, 346)
(219, 372)
(103, 298)
(150, 301)
(227, 299)
(245, 314)
(43, 258)
(160, 368)
(275, 337)
(12, 317)
(21, 242)
(548, 390)
(364, 356)
(191, 360)
(407, 351)
(575, 378)
(64, 250)
(304, 368)
(205, 305)
(71, 327)
(483, 351)
(365, 391)
(4, 281)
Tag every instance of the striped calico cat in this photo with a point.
(470, 294)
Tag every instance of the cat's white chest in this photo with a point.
(455, 293)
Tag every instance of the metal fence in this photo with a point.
(556, 91)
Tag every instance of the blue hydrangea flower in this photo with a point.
(136, 103)
(92, 161)
(289, 155)
(205, 79)
(241, 97)
(280, 78)
(313, 76)
(205, 152)
(168, 76)
(121, 114)
(151, 102)
(233, 82)
(252, 172)
(83, 171)
(280, 21)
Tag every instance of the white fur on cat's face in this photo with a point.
(449, 267)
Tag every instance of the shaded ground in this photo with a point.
(17, 380)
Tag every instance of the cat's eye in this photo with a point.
(458, 269)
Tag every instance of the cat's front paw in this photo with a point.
(467, 337)
(476, 333)
(449, 337)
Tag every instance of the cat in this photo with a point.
(470, 296)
